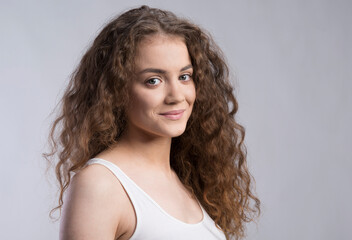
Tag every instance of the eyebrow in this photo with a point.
(161, 71)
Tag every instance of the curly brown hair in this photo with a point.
(209, 157)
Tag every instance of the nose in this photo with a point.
(174, 92)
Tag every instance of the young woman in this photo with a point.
(148, 145)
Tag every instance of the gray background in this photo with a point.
(293, 65)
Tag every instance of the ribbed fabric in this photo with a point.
(153, 223)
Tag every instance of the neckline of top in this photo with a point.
(152, 200)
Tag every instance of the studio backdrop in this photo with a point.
(291, 67)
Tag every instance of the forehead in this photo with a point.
(162, 51)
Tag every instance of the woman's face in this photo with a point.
(163, 90)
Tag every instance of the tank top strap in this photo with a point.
(152, 221)
(138, 199)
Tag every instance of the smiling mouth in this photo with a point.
(173, 115)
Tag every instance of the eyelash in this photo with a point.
(186, 74)
(148, 81)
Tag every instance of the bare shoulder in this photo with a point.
(93, 205)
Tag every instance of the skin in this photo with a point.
(97, 207)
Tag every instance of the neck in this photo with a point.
(146, 150)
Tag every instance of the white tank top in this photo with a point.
(153, 223)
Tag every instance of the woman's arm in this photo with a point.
(92, 208)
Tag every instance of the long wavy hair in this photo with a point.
(209, 157)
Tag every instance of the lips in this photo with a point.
(174, 114)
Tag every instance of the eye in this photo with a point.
(185, 77)
(153, 81)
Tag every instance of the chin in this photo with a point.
(178, 134)
(175, 132)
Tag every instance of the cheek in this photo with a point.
(145, 101)
(190, 93)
